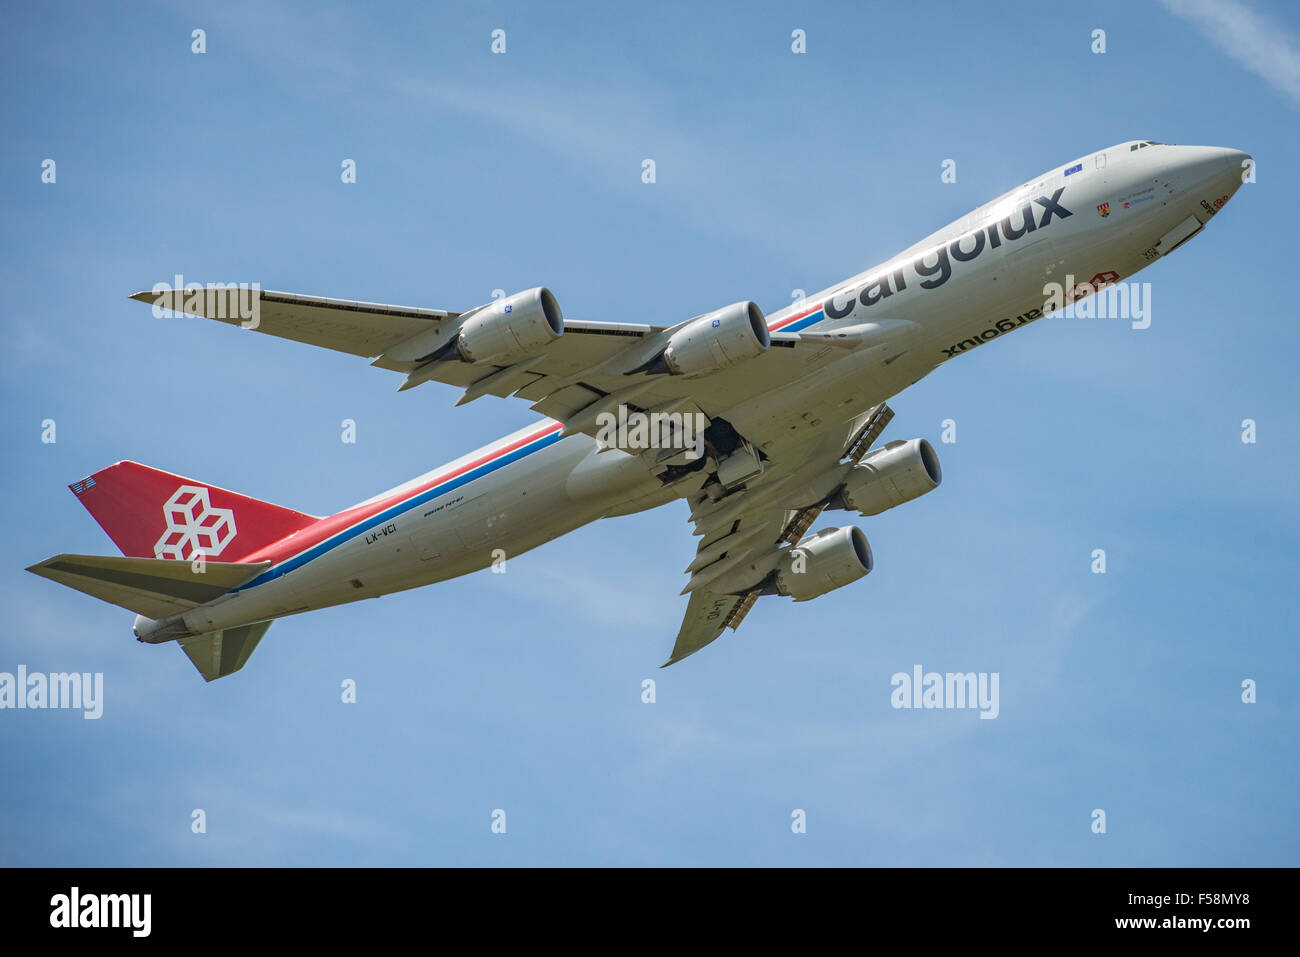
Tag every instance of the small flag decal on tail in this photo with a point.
(79, 487)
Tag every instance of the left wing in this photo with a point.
(744, 536)
(707, 616)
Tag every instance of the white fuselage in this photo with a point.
(977, 279)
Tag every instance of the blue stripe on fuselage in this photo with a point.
(805, 322)
(419, 499)
(393, 511)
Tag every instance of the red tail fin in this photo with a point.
(153, 514)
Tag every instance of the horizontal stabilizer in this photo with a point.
(221, 653)
(153, 587)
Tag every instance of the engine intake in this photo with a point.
(717, 340)
(830, 559)
(511, 328)
(891, 475)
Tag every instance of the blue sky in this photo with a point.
(522, 691)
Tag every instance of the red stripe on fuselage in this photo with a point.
(795, 318)
(305, 538)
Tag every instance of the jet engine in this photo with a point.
(893, 474)
(511, 327)
(823, 562)
(717, 340)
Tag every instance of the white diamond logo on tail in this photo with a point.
(194, 526)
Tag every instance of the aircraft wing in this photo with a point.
(398, 337)
(707, 616)
(744, 535)
(360, 328)
(593, 367)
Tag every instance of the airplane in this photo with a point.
(759, 422)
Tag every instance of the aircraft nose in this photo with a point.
(1199, 163)
(1233, 173)
(1213, 170)
(1236, 159)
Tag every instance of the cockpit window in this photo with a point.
(1143, 145)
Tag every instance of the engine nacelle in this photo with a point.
(511, 328)
(823, 562)
(889, 476)
(717, 340)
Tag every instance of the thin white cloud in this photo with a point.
(706, 177)
(1257, 43)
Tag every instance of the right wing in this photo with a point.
(360, 328)
(593, 367)
(399, 337)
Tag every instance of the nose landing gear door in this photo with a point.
(1184, 231)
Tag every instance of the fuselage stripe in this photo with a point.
(467, 474)
(797, 322)
(464, 476)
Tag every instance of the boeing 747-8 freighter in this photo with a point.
(760, 422)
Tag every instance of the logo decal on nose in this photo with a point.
(1103, 209)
